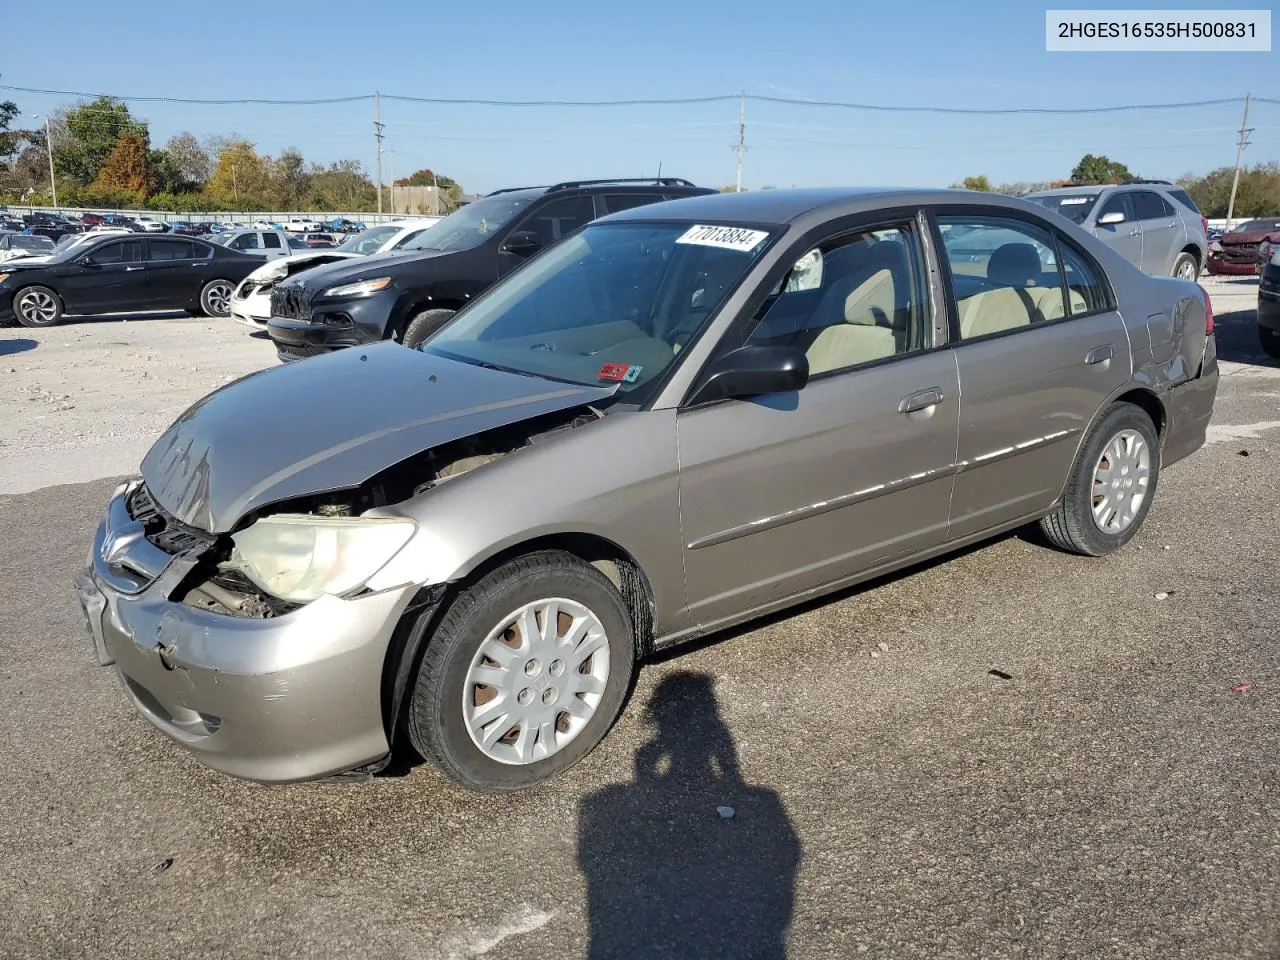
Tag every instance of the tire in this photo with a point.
(1270, 340)
(1185, 267)
(437, 725)
(215, 298)
(1072, 525)
(37, 307)
(423, 325)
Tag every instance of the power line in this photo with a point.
(657, 101)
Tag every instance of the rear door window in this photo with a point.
(1184, 198)
(271, 241)
(171, 250)
(1149, 205)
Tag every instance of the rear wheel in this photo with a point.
(1185, 267)
(37, 307)
(215, 298)
(525, 674)
(1270, 340)
(1109, 492)
(423, 325)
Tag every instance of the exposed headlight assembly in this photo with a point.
(361, 288)
(275, 270)
(300, 558)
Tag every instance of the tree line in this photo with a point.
(103, 157)
(1257, 195)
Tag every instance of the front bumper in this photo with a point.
(334, 325)
(276, 700)
(1234, 265)
(252, 309)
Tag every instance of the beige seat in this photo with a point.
(862, 310)
(1014, 270)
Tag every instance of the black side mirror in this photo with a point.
(754, 372)
(523, 243)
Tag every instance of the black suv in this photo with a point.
(407, 294)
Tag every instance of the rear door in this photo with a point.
(174, 271)
(274, 245)
(1124, 237)
(1162, 233)
(1039, 347)
(107, 278)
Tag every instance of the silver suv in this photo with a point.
(1151, 223)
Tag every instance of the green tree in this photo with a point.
(241, 179)
(290, 177)
(342, 185)
(974, 183)
(427, 178)
(167, 176)
(10, 140)
(128, 167)
(1099, 169)
(86, 136)
(1020, 188)
(1258, 194)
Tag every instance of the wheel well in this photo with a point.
(1192, 249)
(607, 557)
(1149, 403)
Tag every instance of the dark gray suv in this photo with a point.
(1153, 224)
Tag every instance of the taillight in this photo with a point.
(1204, 223)
(1208, 312)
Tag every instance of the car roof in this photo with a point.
(796, 204)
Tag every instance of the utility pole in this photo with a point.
(741, 148)
(234, 185)
(1243, 142)
(377, 135)
(48, 142)
(393, 179)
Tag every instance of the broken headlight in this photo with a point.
(301, 557)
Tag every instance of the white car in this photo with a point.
(268, 244)
(15, 246)
(68, 241)
(302, 225)
(251, 301)
(152, 226)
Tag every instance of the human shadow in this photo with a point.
(670, 871)
(10, 345)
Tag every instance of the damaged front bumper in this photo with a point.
(276, 700)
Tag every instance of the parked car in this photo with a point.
(1269, 305)
(115, 273)
(15, 245)
(1153, 224)
(1244, 249)
(476, 541)
(9, 222)
(343, 225)
(405, 297)
(153, 226)
(120, 220)
(264, 244)
(251, 302)
(320, 240)
(302, 225)
(92, 219)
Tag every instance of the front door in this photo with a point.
(1125, 237)
(109, 277)
(1035, 366)
(543, 226)
(786, 494)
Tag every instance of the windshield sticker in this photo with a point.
(729, 238)
(1067, 201)
(619, 372)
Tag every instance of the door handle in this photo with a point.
(1134, 233)
(918, 401)
(1100, 354)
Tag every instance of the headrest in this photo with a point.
(1014, 265)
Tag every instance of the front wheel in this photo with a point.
(1185, 267)
(1109, 492)
(423, 325)
(524, 675)
(1270, 340)
(215, 298)
(37, 307)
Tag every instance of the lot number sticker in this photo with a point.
(730, 238)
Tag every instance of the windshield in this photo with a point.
(368, 241)
(1074, 206)
(43, 244)
(614, 303)
(470, 226)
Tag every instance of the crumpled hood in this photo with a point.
(330, 423)
(1251, 236)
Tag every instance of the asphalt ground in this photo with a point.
(1009, 753)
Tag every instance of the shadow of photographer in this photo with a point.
(668, 874)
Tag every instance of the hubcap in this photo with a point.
(1186, 270)
(1120, 481)
(38, 307)
(536, 681)
(219, 297)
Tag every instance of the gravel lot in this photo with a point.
(1012, 753)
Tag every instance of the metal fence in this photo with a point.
(224, 216)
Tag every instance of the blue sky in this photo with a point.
(988, 55)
